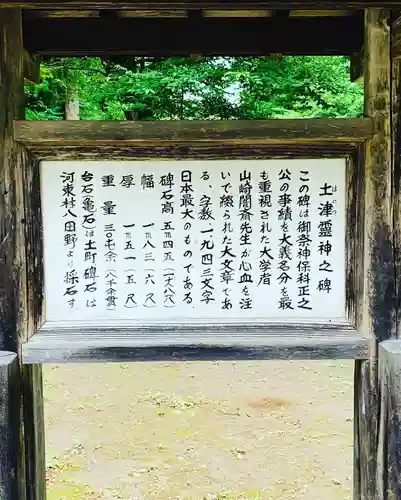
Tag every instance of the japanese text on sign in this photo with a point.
(226, 240)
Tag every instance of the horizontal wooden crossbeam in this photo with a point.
(97, 133)
(182, 36)
(200, 4)
(60, 345)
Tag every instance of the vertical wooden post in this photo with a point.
(11, 486)
(378, 301)
(18, 298)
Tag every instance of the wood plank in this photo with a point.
(34, 431)
(377, 255)
(388, 446)
(17, 300)
(59, 344)
(200, 4)
(182, 37)
(11, 486)
(205, 151)
(354, 239)
(97, 133)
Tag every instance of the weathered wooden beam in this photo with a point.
(378, 300)
(68, 350)
(31, 68)
(92, 133)
(180, 37)
(389, 436)
(19, 297)
(200, 4)
(12, 481)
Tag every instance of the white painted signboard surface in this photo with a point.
(194, 241)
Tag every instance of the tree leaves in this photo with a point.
(208, 88)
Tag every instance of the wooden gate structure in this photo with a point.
(367, 30)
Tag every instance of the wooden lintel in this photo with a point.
(200, 4)
(181, 37)
(357, 66)
(31, 68)
(89, 133)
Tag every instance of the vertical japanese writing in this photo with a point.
(327, 210)
(205, 215)
(217, 241)
(284, 243)
(187, 216)
(167, 209)
(129, 252)
(71, 277)
(150, 270)
(245, 215)
(227, 255)
(90, 246)
(108, 212)
(304, 243)
(265, 204)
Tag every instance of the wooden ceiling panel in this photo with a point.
(181, 37)
(201, 4)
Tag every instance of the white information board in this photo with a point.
(194, 241)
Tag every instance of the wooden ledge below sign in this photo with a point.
(58, 345)
(58, 134)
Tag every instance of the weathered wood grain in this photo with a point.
(18, 258)
(354, 239)
(63, 344)
(34, 431)
(12, 481)
(389, 436)
(396, 199)
(208, 36)
(235, 132)
(377, 253)
(182, 151)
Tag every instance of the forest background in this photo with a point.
(139, 88)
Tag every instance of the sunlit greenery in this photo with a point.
(207, 88)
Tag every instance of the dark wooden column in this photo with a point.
(378, 305)
(12, 480)
(20, 306)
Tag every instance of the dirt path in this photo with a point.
(245, 430)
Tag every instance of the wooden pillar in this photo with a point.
(20, 306)
(11, 486)
(378, 301)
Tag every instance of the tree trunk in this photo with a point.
(71, 109)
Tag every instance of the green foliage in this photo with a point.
(209, 88)
(298, 87)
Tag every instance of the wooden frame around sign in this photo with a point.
(285, 341)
